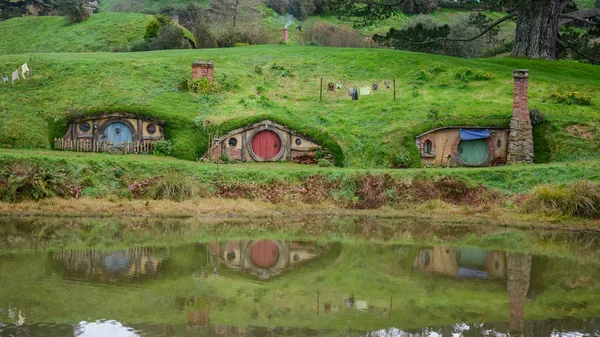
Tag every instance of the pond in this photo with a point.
(334, 277)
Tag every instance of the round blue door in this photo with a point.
(118, 133)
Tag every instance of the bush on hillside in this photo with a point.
(152, 28)
(579, 199)
(169, 37)
(173, 186)
(73, 10)
(537, 116)
(162, 148)
(31, 181)
(325, 34)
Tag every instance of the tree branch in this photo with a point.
(487, 29)
(567, 46)
(578, 16)
(490, 27)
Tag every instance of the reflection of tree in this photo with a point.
(519, 272)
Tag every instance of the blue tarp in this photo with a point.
(470, 134)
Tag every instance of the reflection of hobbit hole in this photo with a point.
(481, 146)
(266, 258)
(101, 132)
(264, 142)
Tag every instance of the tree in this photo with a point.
(235, 10)
(73, 10)
(538, 21)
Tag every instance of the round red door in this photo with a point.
(266, 144)
(264, 254)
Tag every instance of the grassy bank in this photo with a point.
(117, 184)
(369, 132)
(101, 32)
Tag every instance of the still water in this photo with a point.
(56, 283)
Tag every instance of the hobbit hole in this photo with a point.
(112, 132)
(266, 141)
(482, 146)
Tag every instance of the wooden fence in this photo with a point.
(103, 146)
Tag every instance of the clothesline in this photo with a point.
(15, 74)
(353, 90)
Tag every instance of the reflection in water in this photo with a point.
(266, 287)
(266, 258)
(111, 266)
(463, 262)
(469, 262)
(103, 328)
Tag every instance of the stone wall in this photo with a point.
(520, 141)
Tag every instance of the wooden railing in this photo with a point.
(103, 146)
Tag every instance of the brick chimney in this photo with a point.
(285, 34)
(202, 69)
(520, 139)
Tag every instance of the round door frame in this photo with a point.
(279, 265)
(491, 152)
(112, 120)
(251, 138)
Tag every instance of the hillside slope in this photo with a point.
(101, 32)
(282, 83)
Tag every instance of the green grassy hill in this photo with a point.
(369, 131)
(101, 32)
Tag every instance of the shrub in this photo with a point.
(203, 36)
(573, 97)
(323, 162)
(173, 186)
(579, 199)
(73, 10)
(325, 34)
(402, 159)
(200, 86)
(537, 116)
(169, 37)
(162, 148)
(152, 28)
(31, 181)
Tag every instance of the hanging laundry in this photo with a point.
(330, 86)
(21, 320)
(354, 94)
(15, 76)
(365, 91)
(338, 85)
(4, 79)
(24, 69)
(375, 86)
(387, 84)
(351, 91)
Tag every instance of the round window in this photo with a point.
(298, 141)
(84, 127)
(232, 142)
(151, 128)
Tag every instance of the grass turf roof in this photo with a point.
(369, 132)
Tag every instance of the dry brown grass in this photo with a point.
(434, 211)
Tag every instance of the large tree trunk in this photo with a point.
(537, 28)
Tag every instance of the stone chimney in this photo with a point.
(202, 69)
(285, 34)
(520, 139)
